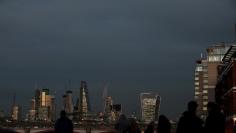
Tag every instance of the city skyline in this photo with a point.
(135, 46)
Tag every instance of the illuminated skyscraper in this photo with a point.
(84, 105)
(108, 104)
(116, 112)
(44, 105)
(150, 105)
(108, 108)
(15, 110)
(68, 102)
(32, 110)
(206, 77)
(16, 113)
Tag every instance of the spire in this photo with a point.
(14, 99)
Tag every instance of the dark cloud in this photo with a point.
(135, 45)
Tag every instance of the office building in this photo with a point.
(150, 106)
(32, 110)
(84, 104)
(225, 89)
(205, 77)
(108, 103)
(44, 105)
(16, 113)
(68, 102)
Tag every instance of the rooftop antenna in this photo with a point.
(104, 96)
(69, 85)
(66, 86)
(14, 99)
(36, 85)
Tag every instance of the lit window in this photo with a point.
(199, 68)
(205, 103)
(196, 88)
(205, 86)
(197, 93)
(196, 78)
(196, 83)
(205, 97)
(205, 81)
(204, 108)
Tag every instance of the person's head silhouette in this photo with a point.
(192, 106)
(63, 114)
(212, 107)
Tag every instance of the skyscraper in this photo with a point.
(108, 104)
(116, 112)
(68, 102)
(108, 108)
(16, 113)
(205, 77)
(32, 110)
(84, 105)
(15, 110)
(150, 105)
(44, 105)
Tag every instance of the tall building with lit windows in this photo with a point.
(150, 106)
(108, 108)
(68, 102)
(44, 105)
(16, 113)
(201, 85)
(84, 104)
(32, 110)
(206, 76)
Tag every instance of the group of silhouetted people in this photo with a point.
(130, 126)
(189, 122)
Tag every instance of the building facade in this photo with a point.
(150, 106)
(84, 104)
(32, 110)
(68, 102)
(108, 103)
(205, 77)
(226, 88)
(116, 111)
(16, 113)
(44, 105)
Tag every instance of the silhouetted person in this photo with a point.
(150, 128)
(63, 124)
(215, 121)
(189, 122)
(163, 125)
(122, 124)
(133, 128)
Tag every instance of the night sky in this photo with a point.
(130, 46)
